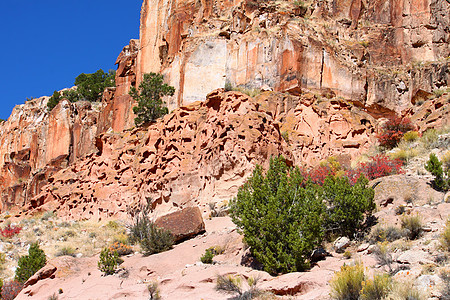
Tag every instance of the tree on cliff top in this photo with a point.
(150, 105)
(89, 87)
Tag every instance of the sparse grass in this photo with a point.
(47, 215)
(153, 289)
(429, 138)
(385, 233)
(383, 255)
(401, 245)
(252, 92)
(69, 251)
(445, 290)
(412, 226)
(428, 269)
(347, 254)
(404, 155)
(84, 237)
(445, 237)
(405, 291)
(411, 136)
(445, 160)
(233, 285)
(377, 288)
(347, 283)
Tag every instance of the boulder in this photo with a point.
(48, 271)
(319, 254)
(183, 224)
(415, 257)
(341, 243)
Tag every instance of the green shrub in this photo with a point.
(151, 238)
(31, 263)
(89, 87)
(282, 221)
(109, 261)
(441, 180)
(347, 283)
(72, 95)
(412, 226)
(207, 258)
(347, 205)
(376, 289)
(283, 217)
(150, 105)
(54, 100)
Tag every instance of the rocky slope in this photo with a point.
(180, 274)
(203, 152)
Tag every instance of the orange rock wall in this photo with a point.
(366, 51)
(34, 143)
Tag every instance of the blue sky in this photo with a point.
(47, 43)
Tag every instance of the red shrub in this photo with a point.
(379, 166)
(10, 231)
(318, 174)
(11, 289)
(393, 131)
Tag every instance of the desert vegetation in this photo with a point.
(89, 87)
(149, 98)
(284, 216)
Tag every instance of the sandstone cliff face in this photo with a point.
(35, 143)
(379, 54)
(343, 64)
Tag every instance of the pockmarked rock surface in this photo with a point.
(203, 153)
(384, 55)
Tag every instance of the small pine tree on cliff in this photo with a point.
(150, 105)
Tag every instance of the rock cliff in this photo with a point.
(330, 69)
(34, 143)
(377, 53)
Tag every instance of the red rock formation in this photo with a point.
(35, 143)
(368, 52)
(202, 153)
(116, 112)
